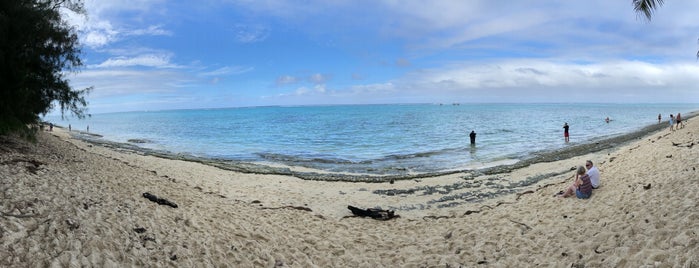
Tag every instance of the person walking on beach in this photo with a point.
(566, 135)
(679, 121)
(593, 172)
(660, 117)
(581, 187)
(473, 137)
(672, 122)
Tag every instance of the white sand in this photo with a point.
(67, 203)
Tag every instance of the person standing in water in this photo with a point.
(473, 137)
(566, 134)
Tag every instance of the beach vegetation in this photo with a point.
(647, 7)
(38, 48)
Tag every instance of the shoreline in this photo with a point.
(69, 203)
(320, 175)
(433, 194)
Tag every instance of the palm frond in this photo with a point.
(647, 7)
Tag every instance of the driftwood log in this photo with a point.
(160, 201)
(378, 214)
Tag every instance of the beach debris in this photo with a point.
(469, 212)
(689, 144)
(139, 230)
(147, 238)
(292, 207)
(448, 235)
(89, 203)
(523, 193)
(72, 225)
(160, 201)
(668, 156)
(437, 217)
(525, 227)
(32, 167)
(374, 213)
(646, 187)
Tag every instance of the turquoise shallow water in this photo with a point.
(377, 139)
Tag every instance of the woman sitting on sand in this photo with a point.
(582, 187)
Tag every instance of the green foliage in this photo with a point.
(37, 48)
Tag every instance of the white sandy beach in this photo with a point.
(66, 203)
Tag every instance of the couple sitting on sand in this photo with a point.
(584, 182)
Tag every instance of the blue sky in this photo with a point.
(157, 54)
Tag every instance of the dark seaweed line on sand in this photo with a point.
(252, 168)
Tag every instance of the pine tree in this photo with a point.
(37, 49)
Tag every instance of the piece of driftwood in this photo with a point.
(378, 214)
(160, 201)
(292, 207)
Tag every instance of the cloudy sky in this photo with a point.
(158, 54)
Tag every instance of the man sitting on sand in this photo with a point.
(581, 186)
(593, 172)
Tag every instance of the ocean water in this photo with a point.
(374, 139)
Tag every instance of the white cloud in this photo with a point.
(151, 60)
(382, 89)
(319, 78)
(228, 70)
(99, 34)
(286, 80)
(250, 33)
(122, 82)
(320, 89)
(152, 30)
(103, 25)
(517, 80)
